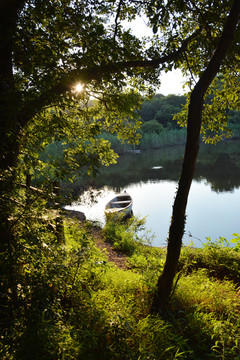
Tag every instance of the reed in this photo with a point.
(149, 140)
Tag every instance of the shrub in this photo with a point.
(218, 258)
(123, 234)
(151, 127)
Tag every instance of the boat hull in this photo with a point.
(119, 205)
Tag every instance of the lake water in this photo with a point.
(151, 178)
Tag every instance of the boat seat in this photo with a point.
(121, 202)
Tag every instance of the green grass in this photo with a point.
(74, 304)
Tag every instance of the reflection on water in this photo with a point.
(151, 178)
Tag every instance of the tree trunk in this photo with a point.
(9, 150)
(176, 231)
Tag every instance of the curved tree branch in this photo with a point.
(95, 73)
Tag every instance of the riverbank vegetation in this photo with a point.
(160, 126)
(149, 140)
(73, 302)
(158, 129)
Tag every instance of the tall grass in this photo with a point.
(74, 304)
(165, 138)
(149, 140)
(117, 145)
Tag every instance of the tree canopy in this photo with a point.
(48, 46)
(162, 109)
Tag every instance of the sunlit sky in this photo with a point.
(171, 82)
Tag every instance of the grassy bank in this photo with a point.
(167, 137)
(73, 303)
(150, 141)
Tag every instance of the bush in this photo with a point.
(123, 234)
(151, 127)
(218, 258)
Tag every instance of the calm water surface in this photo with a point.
(151, 178)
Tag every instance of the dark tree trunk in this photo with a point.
(176, 231)
(9, 104)
(9, 147)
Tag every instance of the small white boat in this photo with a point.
(120, 204)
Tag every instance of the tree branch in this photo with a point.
(222, 48)
(116, 19)
(95, 73)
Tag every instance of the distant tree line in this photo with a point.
(157, 113)
(158, 128)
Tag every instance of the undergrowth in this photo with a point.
(73, 304)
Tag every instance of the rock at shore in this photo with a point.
(76, 214)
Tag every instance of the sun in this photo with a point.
(79, 87)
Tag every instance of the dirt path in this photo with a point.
(114, 256)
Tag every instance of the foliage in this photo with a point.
(165, 138)
(124, 236)
(149, 140)
(236, 241)
(152, 126)
(148, 261)
(211, 317)
(218, 258)
(76, 131)
(71, 303)
(221, 109)
(116, 144)
(161, 109)
(48, 305)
